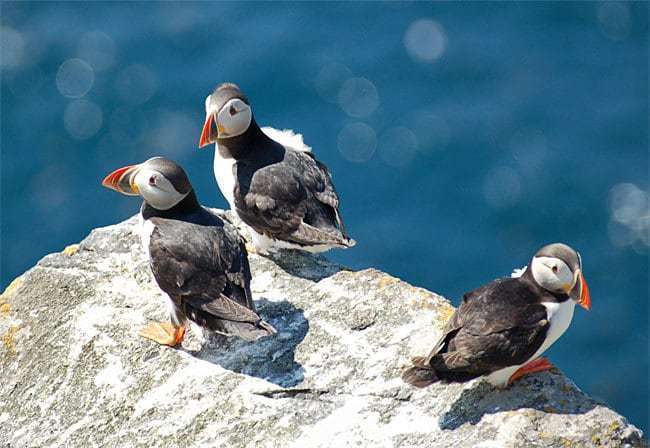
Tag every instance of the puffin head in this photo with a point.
(558, 269)
(161, 182)
(227, 114)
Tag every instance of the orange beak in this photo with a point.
(209, 132)
(122, 180)
(580, 292)
(585, 298)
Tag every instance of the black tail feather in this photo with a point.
(420, 361)
(420, 376)
(270, 329)
(248, 331)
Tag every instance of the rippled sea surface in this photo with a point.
(461, 137)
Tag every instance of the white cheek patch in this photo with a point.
(163, 195)
(231, 125)
(542, 269)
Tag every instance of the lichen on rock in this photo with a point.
(75, 373)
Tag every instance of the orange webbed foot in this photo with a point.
(538, 365)
(163, 333)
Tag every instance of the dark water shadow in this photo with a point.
(548, 392)
(271, 358)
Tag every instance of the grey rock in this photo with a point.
(74, 372)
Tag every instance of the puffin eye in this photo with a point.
(232, 110)
(554, 269)
(152, 180)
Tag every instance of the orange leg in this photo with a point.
(538, 365)
(163, 333)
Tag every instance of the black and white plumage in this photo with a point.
(271, 179)
(197, 259)
(500, 330)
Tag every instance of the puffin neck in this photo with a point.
(241, 146)
(189, 204)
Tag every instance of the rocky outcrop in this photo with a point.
(75, 373)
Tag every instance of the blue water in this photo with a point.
(517, 125)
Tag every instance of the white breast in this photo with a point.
(559, 316)
(224, 175)
(146, 228)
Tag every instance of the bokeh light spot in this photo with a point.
(398, 146)
(329, 80)
(98, 49)
(82, 119)
(619, 234)
(136, 84)
(629, 223)
(425, 40)
(74, 78)
(171, 133)
(358, 97)
(627, 203)
(502, 187)
(12, 47)
(357, 142)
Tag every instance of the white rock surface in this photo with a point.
(75, 373)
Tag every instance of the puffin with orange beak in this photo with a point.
(501, 330)
(198, 260)
(271, 179)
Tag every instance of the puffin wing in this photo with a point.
(293, 200)
(453, 325)
(234, 257)
(224, 308)
(323, 188)
(202, 268)
(495, 326)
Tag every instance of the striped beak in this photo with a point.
(209, 133)
(580, 292)
(123, 180)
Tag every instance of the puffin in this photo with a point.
(198, 260)
(271, 180)
(501, 329)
